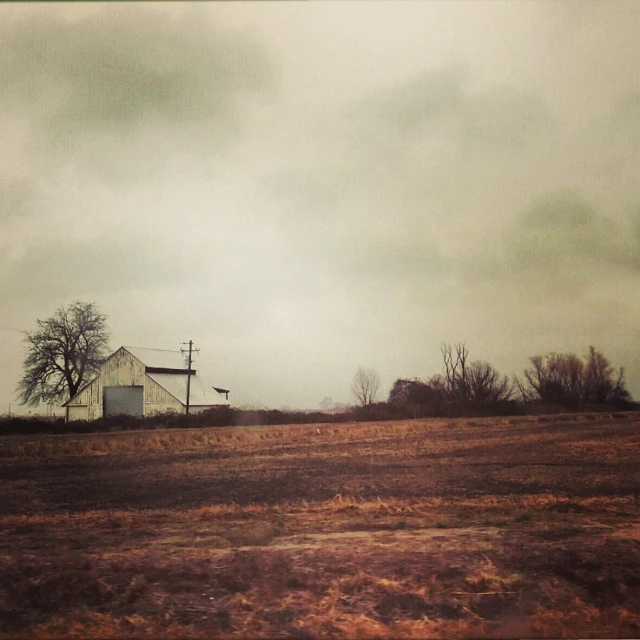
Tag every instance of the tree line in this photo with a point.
(555, 380)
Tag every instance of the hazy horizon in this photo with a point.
(305, 188)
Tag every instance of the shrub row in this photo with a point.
(229, 417)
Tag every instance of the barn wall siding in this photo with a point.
(124, 370)
(159, 400)
(90, 397)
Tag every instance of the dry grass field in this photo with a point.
(483, 528)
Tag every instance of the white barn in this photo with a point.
(142, 382)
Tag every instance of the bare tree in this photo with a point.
(522, 390)
(619, 391)
(598, 376)
(438, 384)
(486, 386)
(476, 383)
(602, 382)
(455, 370)
(448, 367)
(62, 353)
(365, 385)
(537, 377)
(564, 378)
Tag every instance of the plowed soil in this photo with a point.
(520, 527)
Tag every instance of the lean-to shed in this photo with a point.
(142, 382)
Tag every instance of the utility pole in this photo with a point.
(191, 349)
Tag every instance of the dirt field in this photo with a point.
(509, 527)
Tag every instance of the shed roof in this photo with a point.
(200, 394)
(160, 358)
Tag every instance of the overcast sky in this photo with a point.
(304, 188)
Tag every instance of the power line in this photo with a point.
(172, 342)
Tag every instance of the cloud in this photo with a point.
(560, 246)
(444, 103)
(376, 203)
(626, 115)
(413, 152)
(16, 198)
(76, 268)
(566, 229)
(17, 203)
(127, 76)
(565, 232)
(426, 100)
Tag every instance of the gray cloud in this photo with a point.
(565, 228)
(76, 268)
(349, 243)
(17, 197)
(560, 246)
(393, 263)
(374, 207)
(425, 100)
(409, 133)
(107, 82)
(444, 103)
(626, 115)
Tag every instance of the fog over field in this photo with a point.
(305, 188)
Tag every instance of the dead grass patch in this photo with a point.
(416, 529)
(232, 438)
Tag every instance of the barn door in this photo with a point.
(123, 401)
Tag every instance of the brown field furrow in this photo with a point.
(506, 527)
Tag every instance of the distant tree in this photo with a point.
(62, 352)
(486, 386)
(566, 379)
(556, 378)
(438, 384)
(539, 378)
(598, 376)
(474, 383)
(365, 385)
(455, 371)
(408, 396)
(619, 392)
(521, 386)
(602, 382)
(416, 398)
(404, 390)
